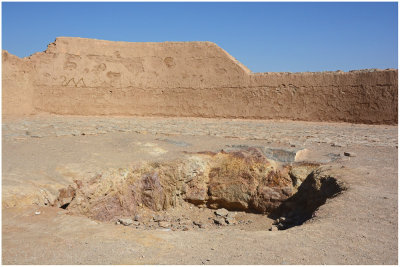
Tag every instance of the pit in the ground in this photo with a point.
(192, 192)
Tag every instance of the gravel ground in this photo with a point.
(44, 153)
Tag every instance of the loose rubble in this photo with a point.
(349, 154)
(125, 221)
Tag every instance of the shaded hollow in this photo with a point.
(312, 193)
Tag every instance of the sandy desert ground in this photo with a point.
(44, 153)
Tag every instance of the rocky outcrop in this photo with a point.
(247, 180)
(79, 76)
(244, 180)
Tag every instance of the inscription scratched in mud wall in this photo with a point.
(73, 82)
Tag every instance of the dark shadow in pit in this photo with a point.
(65, 206)
(311, 194)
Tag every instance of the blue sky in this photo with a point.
(264, 36)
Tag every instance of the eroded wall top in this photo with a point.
(97, 63)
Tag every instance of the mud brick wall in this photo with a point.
(78, 76)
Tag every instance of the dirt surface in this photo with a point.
(80, 76)
(43, 154)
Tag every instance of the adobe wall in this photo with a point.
(78, 76)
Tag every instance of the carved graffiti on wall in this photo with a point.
(72, 82)
(69, 63)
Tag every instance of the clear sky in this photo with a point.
(264, 36)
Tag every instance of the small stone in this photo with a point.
(220, 221)
(136, 218)
(158, 218)
(280, 226)
(336, 145)
(231, 215)
(199, 224)
(164, 224)
(185, 228)
(37, 212)
(230, 220)
(185, 222)
(136, 223)
(273, 228)
(349, 154)
(125, 221)
(222, 212)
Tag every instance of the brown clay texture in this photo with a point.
(78, 76)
